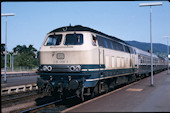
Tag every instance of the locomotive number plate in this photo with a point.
(60, 56)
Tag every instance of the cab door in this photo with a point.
(101, 59)
(99, 42)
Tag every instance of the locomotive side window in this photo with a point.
(127, 49)
(111, 45)
(74, 39)
(134, 51)
(119, 46)
(94, 41)
(114, 45)
(54, 40)
(100, 41)
(131, 50)
(108, 44)
(105, 43)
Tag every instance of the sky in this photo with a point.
(122, 19)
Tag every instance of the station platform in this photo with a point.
(18, 73)
(2, 72)
(136, 97)
(19, 78)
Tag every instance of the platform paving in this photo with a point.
(17, 72)
(22, 78)
(136, 97)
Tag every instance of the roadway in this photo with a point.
(136, 97)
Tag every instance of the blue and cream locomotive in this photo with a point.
(83, 61)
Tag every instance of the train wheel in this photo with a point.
(132, 78)
(48, 90)
(82, 94)
(40, 91)
(112, 85)
(63, 96)
(106, 87)
(95, 91)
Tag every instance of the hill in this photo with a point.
(158, 48)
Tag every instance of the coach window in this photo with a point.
(74, 39)
(54, 40)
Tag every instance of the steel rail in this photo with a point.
(44, 106)
(18, 98)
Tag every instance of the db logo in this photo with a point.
(60, 56)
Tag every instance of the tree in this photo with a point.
(2, 54)
(2, 49)
(26, 56)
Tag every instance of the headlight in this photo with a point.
(75, 68)
(72, 68)
(78, 68)
(49, 68)
(45, 68)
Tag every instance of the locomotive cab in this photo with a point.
(69, 49)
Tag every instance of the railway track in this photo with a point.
(32, 102)
(55, 106)
(16, 98)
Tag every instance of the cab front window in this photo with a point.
(74, 39)
(53, 40)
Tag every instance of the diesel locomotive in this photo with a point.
(86, 62)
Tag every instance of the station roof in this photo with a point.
(82, 28)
